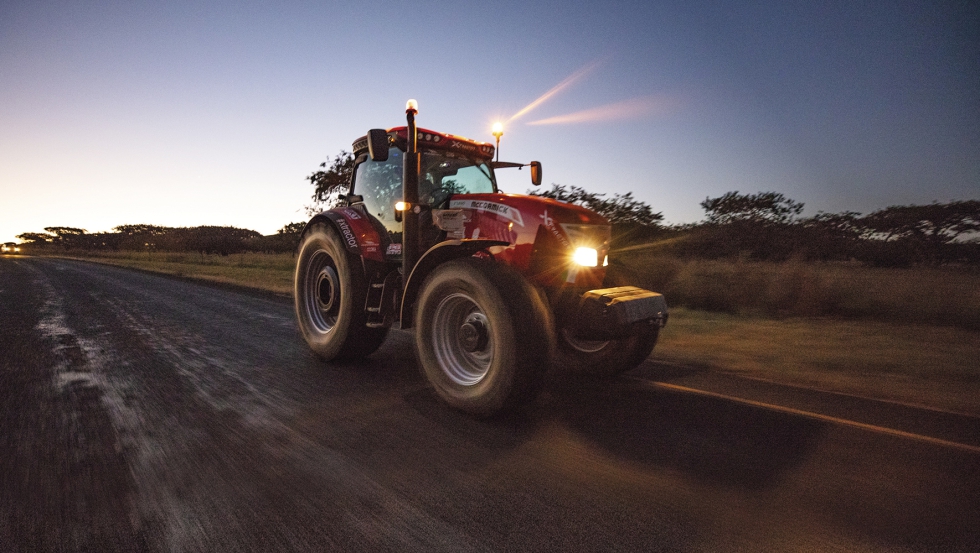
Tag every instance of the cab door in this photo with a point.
(379, 184)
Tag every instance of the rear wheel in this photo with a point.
(482, 336)
(330, 291)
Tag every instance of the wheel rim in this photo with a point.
(462, 339)
(322, 296)
(584, 346)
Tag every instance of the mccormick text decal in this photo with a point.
(502, 210)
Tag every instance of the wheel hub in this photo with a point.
(462, 339)
(473, 334)
(327, 289)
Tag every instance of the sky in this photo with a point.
(187, 113)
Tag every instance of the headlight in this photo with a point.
(590, 243)
(586, 257)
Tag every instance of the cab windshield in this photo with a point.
(447, 173)
(379, 183)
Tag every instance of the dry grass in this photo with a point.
(272, 272)
(944, 296)
(921, 364)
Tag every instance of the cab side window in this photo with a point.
(380, 184)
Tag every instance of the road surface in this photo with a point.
(145, 413)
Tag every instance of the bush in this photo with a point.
(948, 295)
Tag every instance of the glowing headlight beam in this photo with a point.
(635, 107)
(571, 79)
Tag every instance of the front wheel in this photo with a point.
(482, 335)
(605, 358)
(330, 290)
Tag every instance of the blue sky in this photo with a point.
(191, 113)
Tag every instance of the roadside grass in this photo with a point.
(927, 365)
(271, 272)
(943, 296)
(791, 323)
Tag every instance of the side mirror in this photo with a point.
(536, 173)
(378, 144)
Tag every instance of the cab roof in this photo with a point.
(432, 140)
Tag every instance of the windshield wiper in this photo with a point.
(482, 166)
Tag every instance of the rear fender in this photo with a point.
(437, 255)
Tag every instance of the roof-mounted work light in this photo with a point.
(498, 131)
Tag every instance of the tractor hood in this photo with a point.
(544, 234)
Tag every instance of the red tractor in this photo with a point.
(499, 287)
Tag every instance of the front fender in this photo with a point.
(357, 233)
(437, 255)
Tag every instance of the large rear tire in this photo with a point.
(482, 335)
(330, 290)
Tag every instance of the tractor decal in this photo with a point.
(357, 233)
(501, 210)
(549, 223)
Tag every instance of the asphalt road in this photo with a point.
(139, 412)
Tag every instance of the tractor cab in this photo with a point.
(448, 166)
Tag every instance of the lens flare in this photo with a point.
(635, 107)
(571, 79)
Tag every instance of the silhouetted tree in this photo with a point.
(140, 230)
(67, 237)
(284, 240)
(926, 232)
(620, 209)
(934, 223)
(763, 207)
(330, 182)
(757, 226)
(36, 238)
(143, 236)
(217, 240)
(292, 228)
(831, 236)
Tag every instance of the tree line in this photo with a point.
(768, 226)
(765, 226)
(206, 240)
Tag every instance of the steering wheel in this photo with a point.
(437, 197)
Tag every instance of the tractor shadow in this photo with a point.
(711, 439)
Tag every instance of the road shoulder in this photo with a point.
(959, 428)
